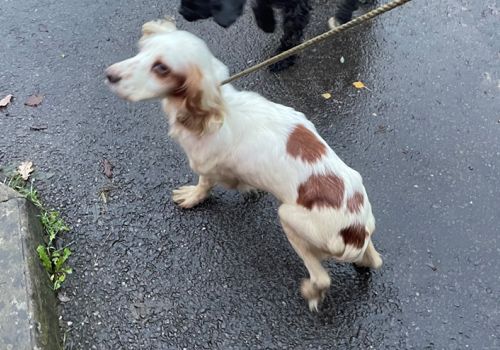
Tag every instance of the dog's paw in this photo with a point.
(370, 263)
(189, 196)
(371, 259)
(334, 23)
(313, 293)
(313, 305)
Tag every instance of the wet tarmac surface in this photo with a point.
(147, 275)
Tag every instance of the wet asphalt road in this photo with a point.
(147, 275)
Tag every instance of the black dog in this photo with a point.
(296, 15)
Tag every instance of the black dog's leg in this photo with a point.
(193, 10)
(345, 8)
(226, 12)
(295, 18)
(264, 15)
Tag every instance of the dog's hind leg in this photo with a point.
(189, 196)
(314, 288)
(296, 16)
(371, 258)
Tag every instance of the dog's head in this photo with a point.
(175, 65)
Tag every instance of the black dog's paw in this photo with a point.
(264, 16)
(283, 64)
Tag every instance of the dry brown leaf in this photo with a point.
(5, 101)
(25, 169)
(358, 85)
(108, 168)
(326, 95)
(34, 100)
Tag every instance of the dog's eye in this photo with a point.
(160, 69)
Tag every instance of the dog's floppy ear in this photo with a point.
(166, 25)
(201, 108)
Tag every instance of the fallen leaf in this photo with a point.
(104, 193)
(5, 101)
(326, 95)
(34, 100)
(381, 129)
(63, 298)
(42, 28)
(432, 266)
(103, 197)
(358, 85)
(25, 169)
(108, 168)
(39, 127)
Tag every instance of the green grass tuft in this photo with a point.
(53, 260)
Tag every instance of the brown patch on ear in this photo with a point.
(303, 144)
(192, 113)
(354, 235)
(355, 202)
(321, 191)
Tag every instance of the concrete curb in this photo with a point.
(28, 308)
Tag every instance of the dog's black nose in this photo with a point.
(113, 78)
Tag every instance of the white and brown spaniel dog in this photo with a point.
(243, 141)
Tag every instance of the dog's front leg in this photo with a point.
(189, 196)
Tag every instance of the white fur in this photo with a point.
(248, 150)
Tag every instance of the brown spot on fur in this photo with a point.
(354, 235)
(303, 144)
(321, 191)
(355, 202)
